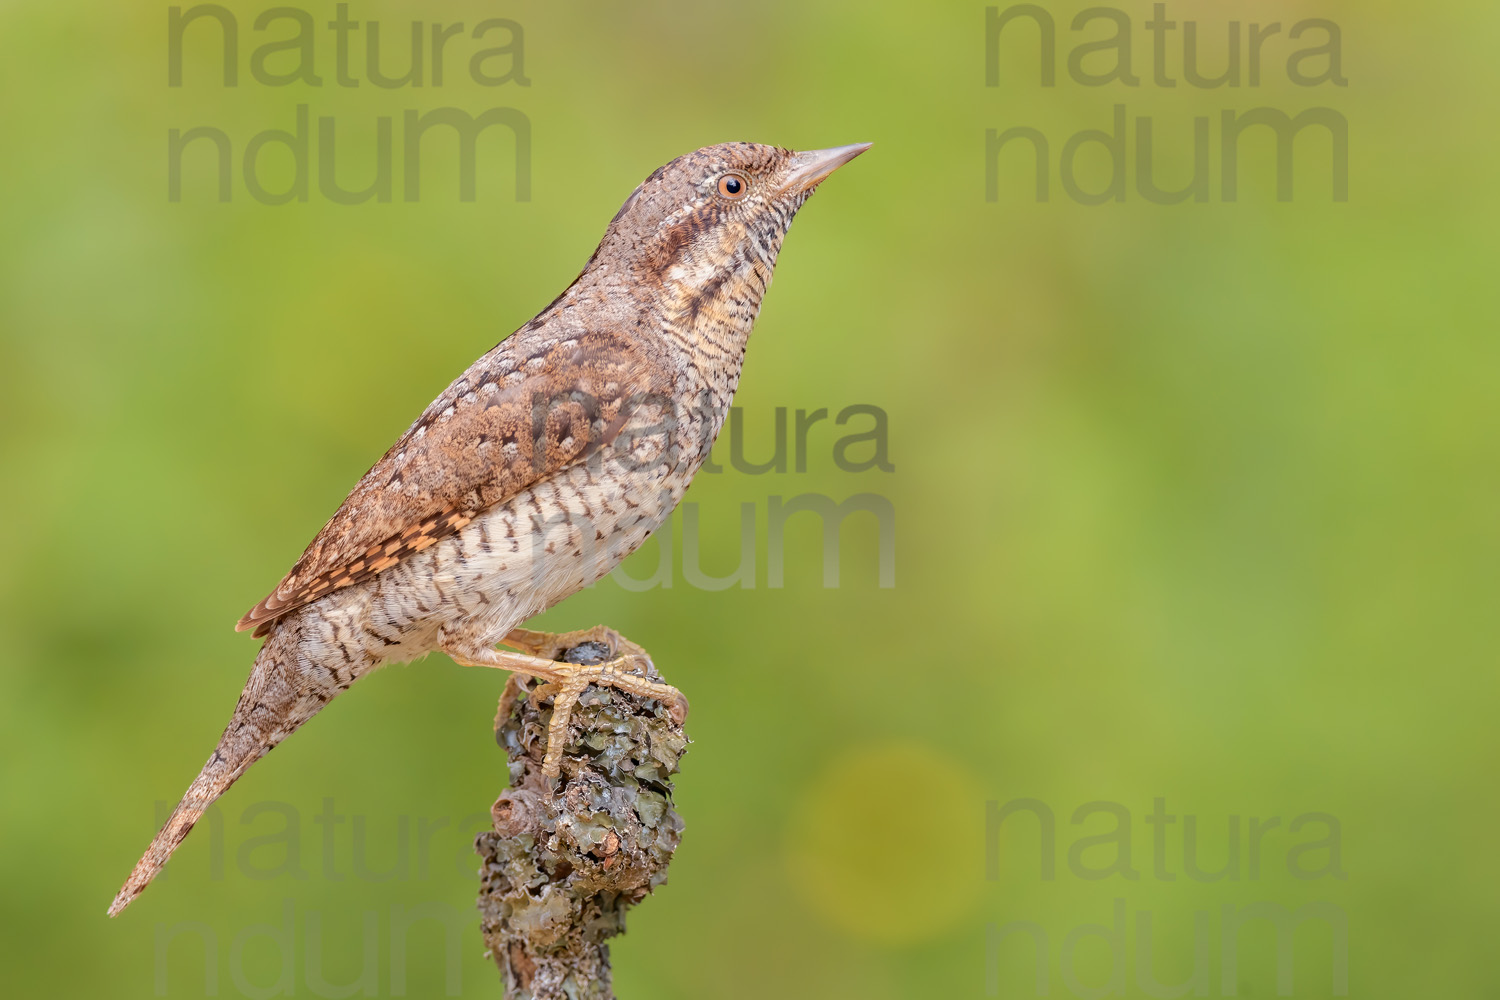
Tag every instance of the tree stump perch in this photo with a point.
(568, 857)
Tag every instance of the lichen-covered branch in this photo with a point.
(563, 864)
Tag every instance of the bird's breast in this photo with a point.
(521, 556)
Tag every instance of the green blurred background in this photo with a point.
(1192, 502)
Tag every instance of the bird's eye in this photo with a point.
(733, 186)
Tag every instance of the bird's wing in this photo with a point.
(526, 410)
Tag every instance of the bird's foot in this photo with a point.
(600, 640)
(568, 663)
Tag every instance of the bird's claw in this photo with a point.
(575, 663)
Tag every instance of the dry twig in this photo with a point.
(563, 865)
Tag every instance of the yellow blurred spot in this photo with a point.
(887, 842)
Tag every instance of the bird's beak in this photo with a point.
(809, 169)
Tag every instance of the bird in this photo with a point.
(538, 470)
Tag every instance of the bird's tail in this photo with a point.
(281, 694)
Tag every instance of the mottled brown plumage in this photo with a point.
(532, 410)
(553, 457)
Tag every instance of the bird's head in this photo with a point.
(717, 213)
